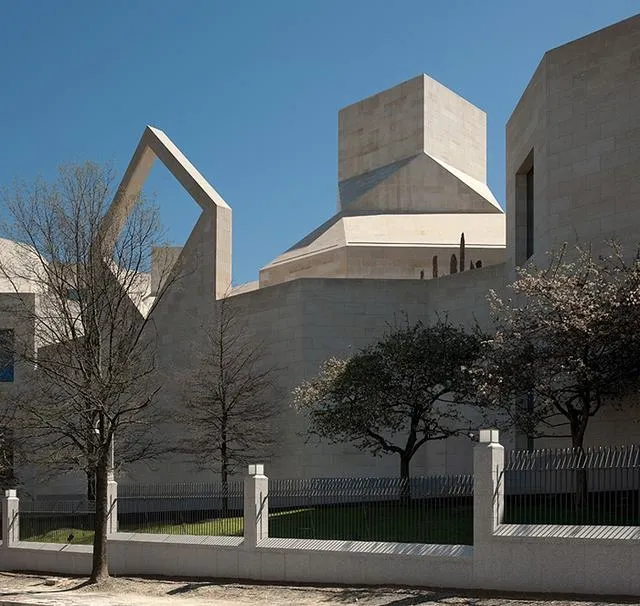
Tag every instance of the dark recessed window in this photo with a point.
(529, 213)
(525, 211)
(6, 355)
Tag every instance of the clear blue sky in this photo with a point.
(250, 90)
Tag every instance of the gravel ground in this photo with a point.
(33, 589)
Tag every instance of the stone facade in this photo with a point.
(412, 179)
(577, 125)
(579, 121)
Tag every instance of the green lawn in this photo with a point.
(216, 527)
(60, 535)
(411, 522)
(621, 509)
(404, 523)
(362, 522)
(219, 527)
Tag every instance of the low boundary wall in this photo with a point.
(566, 559)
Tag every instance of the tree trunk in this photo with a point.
(582, 482)
(405, 487)
(224, 475)
(91, 485)
(100, 567)
(404, 465)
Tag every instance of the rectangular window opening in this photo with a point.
(6, 355)
(529, 213)
(525, 211)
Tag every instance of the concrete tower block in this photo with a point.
(415, 117)
(417, 147)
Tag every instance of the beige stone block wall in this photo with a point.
(302, 322)
(581, 116)
(425, 186)
(525, 134)
(455, 130)
(322, 264)
(412, 262)
(378, 262)
(419, 115)
(325, 317)
(381, 129)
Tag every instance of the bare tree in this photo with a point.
(90, 356)
(230, 399)
(7, 398)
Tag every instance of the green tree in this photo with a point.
(397, 394)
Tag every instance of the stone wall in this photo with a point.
(580, 116)
(591, 560)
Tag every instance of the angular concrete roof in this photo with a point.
(431, 184)
(412, 169)
(440, 230)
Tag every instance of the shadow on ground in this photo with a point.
(328, 594)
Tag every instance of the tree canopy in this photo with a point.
(229, 396)
(397, 394)
(567, 342)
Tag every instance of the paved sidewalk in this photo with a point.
(33, 590)
(102, 599)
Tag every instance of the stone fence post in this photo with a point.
(10, 518)
(112, 504)
(256, 506)
(488, 485)
(488, 505)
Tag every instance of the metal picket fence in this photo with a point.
(436, 509)
(593, 486)
(57, 520)
(196, 508)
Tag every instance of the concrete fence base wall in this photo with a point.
(570, 559)
(281, 560)
(559, 559)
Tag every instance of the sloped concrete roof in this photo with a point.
(402, 230)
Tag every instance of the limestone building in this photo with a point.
(411, 181)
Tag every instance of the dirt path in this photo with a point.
(64, 591)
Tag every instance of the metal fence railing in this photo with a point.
(594, 486)
(436, 509)
(203, 508)
(68, 520)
